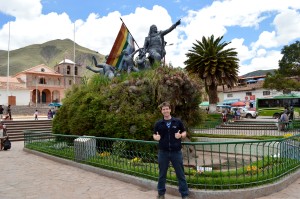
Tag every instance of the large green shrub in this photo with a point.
(126, 107)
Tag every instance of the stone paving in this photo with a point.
(27, 176)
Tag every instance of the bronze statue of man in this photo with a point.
(155, 43)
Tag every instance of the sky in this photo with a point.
(257, 29)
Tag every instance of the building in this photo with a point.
(248, 89)
(40, 85)
(72, 73)
(17, 90)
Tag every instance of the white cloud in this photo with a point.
(99, 32)
(21, 9)
(264, 61)
(287, 26)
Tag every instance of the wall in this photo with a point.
(22, 96)
(242, 94)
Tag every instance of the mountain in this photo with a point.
(49, 53)
(259, 73)
(53, 52)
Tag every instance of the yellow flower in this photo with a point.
(136, 160)
(104, 154)
(287, 135)
(252, 169)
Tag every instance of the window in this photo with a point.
(229, 95)
(42, 70)
(248, 93)
(266, 92)
(70, 82)
(42, 80)
(68, 70)
(76, 70)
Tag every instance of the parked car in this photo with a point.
(245, 112)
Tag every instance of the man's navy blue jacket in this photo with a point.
(167, 141)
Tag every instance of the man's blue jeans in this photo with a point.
(175, 157)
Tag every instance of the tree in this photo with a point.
(289, 65)
(286, 78)
(214, 64)
(127, 105)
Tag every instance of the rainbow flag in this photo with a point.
(123, 41)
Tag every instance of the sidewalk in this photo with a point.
(27, 176)
(24, 175)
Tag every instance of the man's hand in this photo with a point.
(156, 136)
(178, 22)
(178, 135)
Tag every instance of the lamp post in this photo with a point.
(74, 55)
(36, 93)
(7, 83)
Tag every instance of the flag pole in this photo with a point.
(7, 83)
(74, 54)
(129, 32)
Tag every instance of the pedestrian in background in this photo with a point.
(9, 112)
(284, 121)
(1, 112)
(36, 114)
(50, 114)
(224, 117)
(53, 113)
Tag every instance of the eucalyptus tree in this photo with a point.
(215, 63)
(287, 77)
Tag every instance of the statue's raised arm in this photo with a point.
(155, 42)
(164, 32)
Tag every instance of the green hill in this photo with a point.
(259, 73)
(49, 53)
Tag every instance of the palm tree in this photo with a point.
(214, 64)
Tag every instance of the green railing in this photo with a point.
(208, 165)
(248, 128)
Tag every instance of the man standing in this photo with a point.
(1, 112)
(36, 114)
(169, 131)
(9, 112)
(284, 121)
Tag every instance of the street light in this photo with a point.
(36, 93)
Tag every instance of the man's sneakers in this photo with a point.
(161, 197)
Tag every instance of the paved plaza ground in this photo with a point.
(27, 176)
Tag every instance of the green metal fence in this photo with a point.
(208, 165)
(248, 127)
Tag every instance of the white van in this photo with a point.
(244, 112)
